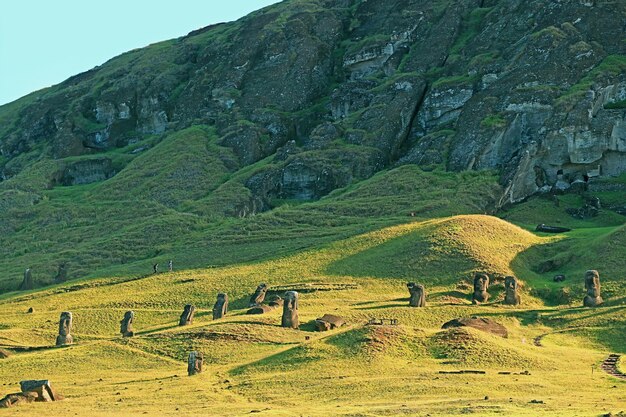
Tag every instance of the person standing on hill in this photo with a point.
(170, 265)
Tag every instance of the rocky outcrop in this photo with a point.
(483, 324)
(336, 91)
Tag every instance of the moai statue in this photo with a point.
(65, 329)
(187, 316)
(290, 310)
(221, 306)
(61, 275)
(481, 283)
(27, 284)
(194, 363)
(592, 285)
(126, 325)
(511, 286)
(418, 295)
(259, 295)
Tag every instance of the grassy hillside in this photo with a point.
(254, 366)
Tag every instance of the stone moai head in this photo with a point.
(290, 310)
(27, 283)
(259, 295)
(481, 283)
(592, 286)
(194, 363)
(221, 306)
(511, 286)
(418, 295)
(126, 325)
(187, 316)
(65, 329)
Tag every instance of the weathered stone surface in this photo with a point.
(486, 325)
(126, 324)
(592, 287)
(329, 322)
(511, 288)
(275, 301)
(65, 329)
(481, 284)
(87, 171)
(194, 363)
(221, 306)
(186, 317)
(290, 310)
(27, 283)
(418, 295)
(259, 295)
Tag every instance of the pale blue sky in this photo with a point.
(43, 42)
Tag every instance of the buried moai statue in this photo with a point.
(194, 363)
(481, 283)
(592, 286)
(27, 283)
(418, 295)
(511, 287)
(126, 324)
(61, 275)
(259, 295)
(65, 329)
(187, 316)
(221, 306)
(290, 310)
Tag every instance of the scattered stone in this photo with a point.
(381, 322)
(559, 278)
(418, 295)
(551, 229)
(4, 354)
(481, 283)
(221, 306)
(187, 317)
(259, 295)
(511, 286)
(30, 310)
(536, 402)
(61, 275)
(275, 301)
(27, 283)
(464, 371)
(480, 323)
(592, 286)
(65, 329)
(12, 400)
(42, 388)
(126, 324)
(290, 310)
(328, 322)
(194, 363)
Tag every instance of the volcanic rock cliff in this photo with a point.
(334, 91)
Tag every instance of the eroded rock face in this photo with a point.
(187, 317)
(126, 324)
(418, 295)
(27, 283)
(194, 363)
(511, 287)
(87, 171)
(290, 310)
(481, 284)
(221, 306)
(259, 295)
(592, 286)
(65, 329)
(486, 325)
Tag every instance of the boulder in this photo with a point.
(485, 325)
(42, 388)
(551, 229)
(328, 322)
(17, 399)
(260, 309)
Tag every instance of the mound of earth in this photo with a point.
(480, 323)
